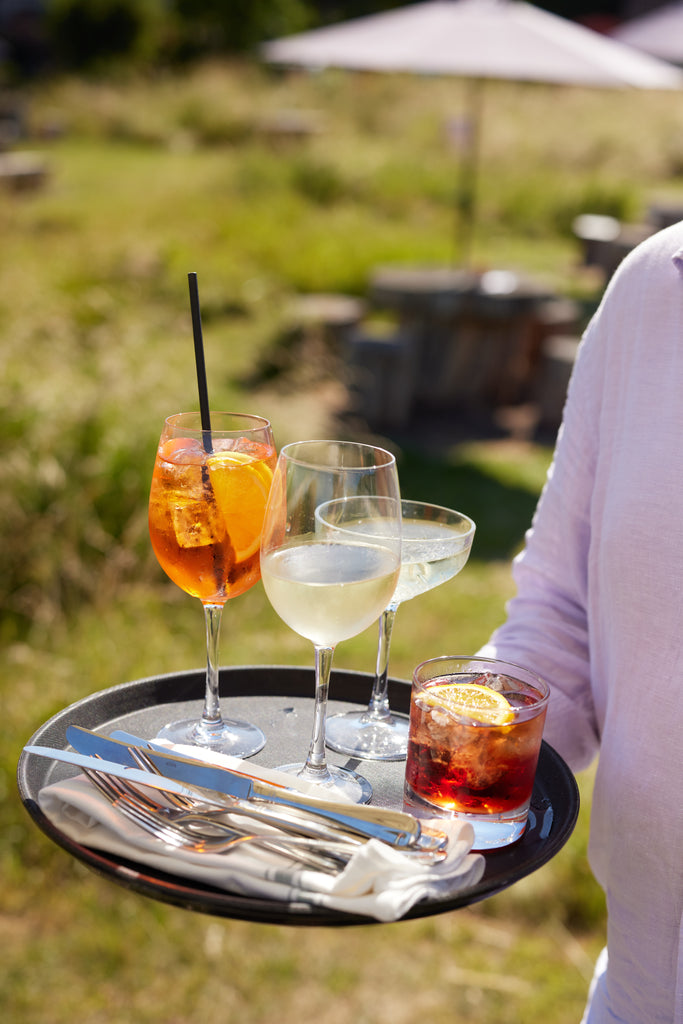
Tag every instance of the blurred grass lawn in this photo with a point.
(148, 181)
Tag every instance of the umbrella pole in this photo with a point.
(466, 199)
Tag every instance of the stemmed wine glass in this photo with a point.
(206, 508)
(436, 546)
(325, 587)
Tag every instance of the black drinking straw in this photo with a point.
(199, 360)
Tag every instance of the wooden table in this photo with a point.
(460, 337)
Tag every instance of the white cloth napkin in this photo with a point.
(379, 881)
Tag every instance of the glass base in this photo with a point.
(339, 781)
(359, 734)
(491, 831)
(234, 737)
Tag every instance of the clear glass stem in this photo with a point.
(211, 715)
(378, 708)
(315, 768)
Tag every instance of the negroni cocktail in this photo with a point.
(474, 741)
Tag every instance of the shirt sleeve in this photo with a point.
(547, 624)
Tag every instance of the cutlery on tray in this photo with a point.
(196, 835)
(395, 827)
(232, 793)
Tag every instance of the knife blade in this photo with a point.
(142, 778)
(292, 821)
(298, 819)
(394, 827)
(218, 803)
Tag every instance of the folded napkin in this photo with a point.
(379, 881)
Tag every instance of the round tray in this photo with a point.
(279, 700)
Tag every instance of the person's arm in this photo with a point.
(546, 628)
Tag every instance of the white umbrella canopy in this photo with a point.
(505, 39)
(658, 33)
(476, 40)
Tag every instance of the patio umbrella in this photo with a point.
(659, 33)
(476, 40)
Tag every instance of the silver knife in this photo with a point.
(310, 828)
(295, 821)
(98, 764)
(298, 819)
(393, 827)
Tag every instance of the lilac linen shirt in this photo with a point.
(599, 612)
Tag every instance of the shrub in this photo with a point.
(74, 508)
(236, 26)
(89, 33)
(316, 181)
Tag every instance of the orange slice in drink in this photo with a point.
(480, 703)
(241, 485)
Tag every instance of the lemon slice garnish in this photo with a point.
(241, 484)
(480, 703)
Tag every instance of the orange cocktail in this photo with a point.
(206, 509)
(206, 514)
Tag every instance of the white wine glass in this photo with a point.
(324, 586)
(436, 545)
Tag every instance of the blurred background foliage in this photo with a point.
(87, 35)
(83, 34)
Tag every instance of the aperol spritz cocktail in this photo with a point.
(206, 508)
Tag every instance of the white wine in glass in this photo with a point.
(436, 546)
(324, 586)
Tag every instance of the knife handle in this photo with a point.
(394, 827)
(294, 823)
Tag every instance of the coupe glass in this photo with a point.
(206, 507)
(328, 587)
(436, 546)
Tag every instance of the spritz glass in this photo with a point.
(436, 546)
(328, 587)
(206, 507)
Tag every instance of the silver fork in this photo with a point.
(430, 848)
(208, 823)
(146, 763)
(297, 821)
(187, 811)
(311, 852)
(200, 830)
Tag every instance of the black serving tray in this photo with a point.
(280, 700)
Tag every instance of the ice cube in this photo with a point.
(225, 444)
(520, 700)
(181, 451)
(183, 483)
(439, 727)
(495, 682)
(197, 524)
(483, 774)
(477, 764)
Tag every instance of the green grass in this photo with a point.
(149, 180)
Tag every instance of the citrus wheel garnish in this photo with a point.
(480, 703)
(241, 485)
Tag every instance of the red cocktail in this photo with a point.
(475, 737)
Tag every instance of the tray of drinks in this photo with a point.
(279, 700)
